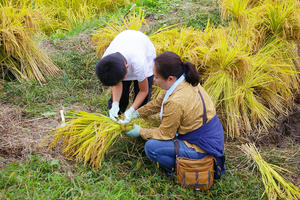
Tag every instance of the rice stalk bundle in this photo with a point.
(249, 90)
(279, 59)
(271, 17)
(102, 38)
(19, 54)
(51, 17)
(87, 137)
(181, 41)
(57, 15)
(235, 8)
(226, 63)
(275, 184)
(283, 18)
(44, 17)
(67, 13)
(254, 31)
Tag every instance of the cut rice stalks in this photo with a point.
(87, 137)
(275, 184)
(19, 54)
(60, 15)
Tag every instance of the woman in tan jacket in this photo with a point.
(186, 112)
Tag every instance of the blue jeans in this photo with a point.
(162, 151)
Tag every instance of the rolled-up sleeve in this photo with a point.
(169, 123)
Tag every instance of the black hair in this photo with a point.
(111, 69)
(169, 64)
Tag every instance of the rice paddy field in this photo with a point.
(246, 53)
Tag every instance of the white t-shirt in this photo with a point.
(138, 50)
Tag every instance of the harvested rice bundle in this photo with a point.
(249, 89)
(235, 8)
(282, 18)
(87, 137)
(275, 184)
(226, 63)
(266, 17)
(181, 41)
(60, 15)
(19, 54)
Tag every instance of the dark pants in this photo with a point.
(124, 101)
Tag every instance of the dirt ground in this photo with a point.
(21, 136)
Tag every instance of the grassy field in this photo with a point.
(126, 172)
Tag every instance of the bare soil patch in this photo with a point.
(21, 136)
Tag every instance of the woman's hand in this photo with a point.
(135, 132)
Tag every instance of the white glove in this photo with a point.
(129, 114)
(113, 112)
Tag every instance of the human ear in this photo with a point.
(171, 78)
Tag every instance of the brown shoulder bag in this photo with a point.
(195, 174)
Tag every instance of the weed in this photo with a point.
(200, 19)
(186, 13)
(89, 26)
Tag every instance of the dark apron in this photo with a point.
(210, 138)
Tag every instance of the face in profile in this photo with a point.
(159, 80)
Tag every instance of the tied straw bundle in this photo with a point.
(275, 184)
(87, 137)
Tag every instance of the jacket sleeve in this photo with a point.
(169, 123)
(151, 107)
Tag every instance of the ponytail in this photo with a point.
(191, 74)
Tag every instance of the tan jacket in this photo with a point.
(183, 113)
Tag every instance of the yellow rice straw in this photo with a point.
(275, 184)
(87, 137)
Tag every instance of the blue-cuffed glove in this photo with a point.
(113, 112)
(135, 132)
(129, 114)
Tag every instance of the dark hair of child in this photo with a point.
(111, 69)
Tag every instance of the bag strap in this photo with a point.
(175, 140)
(204, 108)
(176, 146)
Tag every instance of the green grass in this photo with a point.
(91, 25)
(76, 85)
(183, 12)
(201, 17)
(119, 177)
